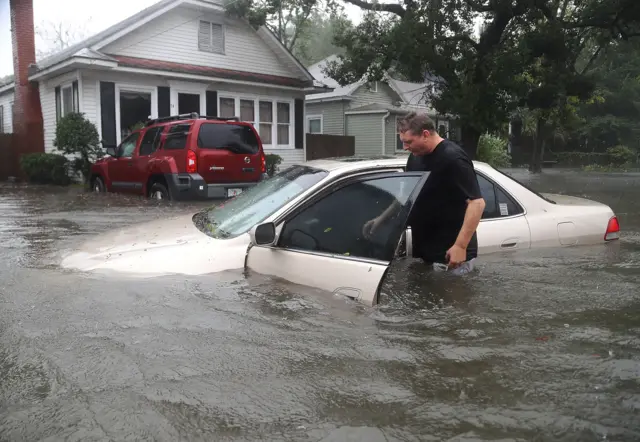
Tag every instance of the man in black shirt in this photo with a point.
(448, 210)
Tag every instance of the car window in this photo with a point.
(334, 224)
(177, 137)
(234, 137)
(236, 216)
(126, 148)
(150, 140)
(497, 203)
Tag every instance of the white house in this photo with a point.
(176, 56)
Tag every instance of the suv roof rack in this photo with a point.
(189, 116)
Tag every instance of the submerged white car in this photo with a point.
(305, 225)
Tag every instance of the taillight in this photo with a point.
(263, 168)
(613, 230)
(192, 166)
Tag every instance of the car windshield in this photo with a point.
(236, 216)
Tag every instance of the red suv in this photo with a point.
(184, 157)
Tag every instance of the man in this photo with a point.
(448, 210)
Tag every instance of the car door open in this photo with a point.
(321, 243)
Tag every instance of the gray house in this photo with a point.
(367, 111)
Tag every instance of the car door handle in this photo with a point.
(509, 244)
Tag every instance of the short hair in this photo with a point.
(416, 123)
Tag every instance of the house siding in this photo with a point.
(363, 96)
(367, 130)
(7, 116)
(174, 37)
(332, 116)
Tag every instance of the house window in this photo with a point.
(284, 123)
(314, 124)
(273, 119)
(399, 143)
(265, 112)
(211, 37)
(67, 100)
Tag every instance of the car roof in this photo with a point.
(354, 163)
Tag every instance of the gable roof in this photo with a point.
(409, 92)
(89, 49)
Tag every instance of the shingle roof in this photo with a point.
(338, 91)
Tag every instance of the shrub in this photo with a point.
(273, 161)
(46, 168)
(621, 155)
(493, 150)
(77, 136)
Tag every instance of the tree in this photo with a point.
(287, 19)
(479, 77)
(316, 42)
(56, 36)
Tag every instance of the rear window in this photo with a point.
(233, 137)
(177, 136)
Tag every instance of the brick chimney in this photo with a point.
(28, 127)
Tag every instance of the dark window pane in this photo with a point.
(233, 137)
(177, 136)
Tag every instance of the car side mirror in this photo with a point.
(263, 234)
(111, 151)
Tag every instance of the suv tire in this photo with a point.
(159, 191)
(97, 185)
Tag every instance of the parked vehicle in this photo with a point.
(305, 225)
(184, 157)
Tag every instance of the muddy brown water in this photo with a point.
(534, 346)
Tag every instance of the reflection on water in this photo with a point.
(536, 346)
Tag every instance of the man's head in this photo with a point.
(418, 133)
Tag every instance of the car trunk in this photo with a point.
(228, 153)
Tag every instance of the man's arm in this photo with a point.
(467, 182)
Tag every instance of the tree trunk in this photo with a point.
(538, 147)
(469, 140)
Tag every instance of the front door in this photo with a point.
(121, 168)
(322, 244)
(188, 103)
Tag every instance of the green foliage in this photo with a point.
(75, 135)
(46, 168)
(621, 155)
(315, 42)
(273, 161)
(493, 150)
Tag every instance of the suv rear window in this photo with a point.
(234, 137)
(177, 136)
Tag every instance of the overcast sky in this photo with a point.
(90, 16)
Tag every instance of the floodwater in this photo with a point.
(540, 346)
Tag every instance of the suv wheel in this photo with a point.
(159, 192)
(98, 185)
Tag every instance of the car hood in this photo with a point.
(161, 247)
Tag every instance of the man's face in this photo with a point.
(417, 144)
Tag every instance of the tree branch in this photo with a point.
(379, 7)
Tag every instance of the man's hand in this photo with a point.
(370, 227)
(456, 255)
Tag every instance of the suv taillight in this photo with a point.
(613, 230)
(192, 164)
(263, 161)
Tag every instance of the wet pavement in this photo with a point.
(536, 346)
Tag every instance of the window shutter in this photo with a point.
(76, 97)
(299, 123)
(217, 37)
(164, 101)
(108, 112)
(212, 103)
(204, 36)
(58, 103)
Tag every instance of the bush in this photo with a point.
(46, 168)
(77, 136)
(493, 150)
(273, 161)
(621, 155)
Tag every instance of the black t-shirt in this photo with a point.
(438, 214)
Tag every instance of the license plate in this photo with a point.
(233, 192)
